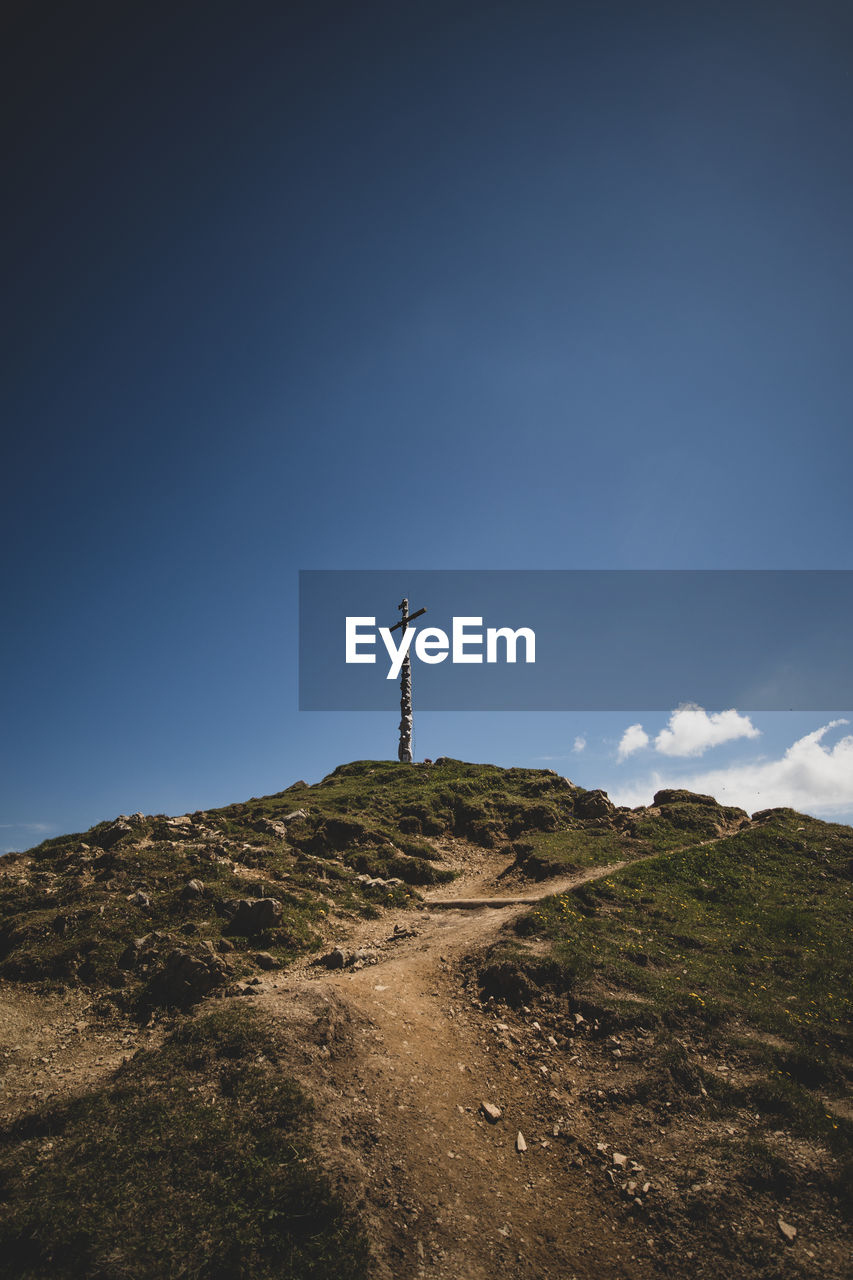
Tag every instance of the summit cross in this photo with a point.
(404, 750)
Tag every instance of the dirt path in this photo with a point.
(405, 1059)
(563, 884)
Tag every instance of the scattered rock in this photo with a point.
(377, 882)
(266, 961)
(254, 915)
(117, 831)
(335, 959)
(192, 889)
(139, 899)
(491, 1112)
(520, 1144)
(402, 931)
(269, 828)
(789, 1233)
(619, 1160)
(184, 977)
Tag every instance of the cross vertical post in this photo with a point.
(404, 750)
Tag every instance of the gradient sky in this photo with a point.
(484, 285)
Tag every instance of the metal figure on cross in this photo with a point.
(404, 750)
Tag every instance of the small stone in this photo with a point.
(619, 1160)
(265, 960)
(789, 1232)
(491, 1112)
(191, 890)
(520, 1144)
(579, 1019)
(335, 959)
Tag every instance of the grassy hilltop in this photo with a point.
(77, 907)
(717, 960)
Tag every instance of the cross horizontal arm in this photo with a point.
(405, 622)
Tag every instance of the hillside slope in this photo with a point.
(662, 1014)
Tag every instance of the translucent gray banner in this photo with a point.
(582, 640)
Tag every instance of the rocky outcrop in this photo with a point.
(594, 804)
(253, 915)
(174, 974)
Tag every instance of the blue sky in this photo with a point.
(336, 286)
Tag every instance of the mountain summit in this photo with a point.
(441, 1019)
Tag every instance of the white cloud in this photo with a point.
(810, 777)
(691, 730)
(633, 739)
(579, 744)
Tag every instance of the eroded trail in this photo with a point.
(406, 1056)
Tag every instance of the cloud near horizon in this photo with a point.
(691, 730)
(633, 739)
(810, 777)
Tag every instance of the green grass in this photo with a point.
(64, 910)
(747, 938)
(577, 845)
(194, 1160)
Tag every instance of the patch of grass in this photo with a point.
(194, 1160)
(554, 853)
(93, 916)
(575, 845)
(750, 931)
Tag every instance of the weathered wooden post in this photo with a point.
(404, 750)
